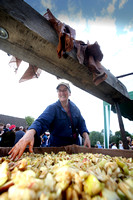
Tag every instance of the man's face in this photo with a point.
(63, 93)
(1, 127)
(8, 125)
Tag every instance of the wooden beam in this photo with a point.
(122, 130)
(32, 39)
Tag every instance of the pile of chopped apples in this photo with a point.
(66, 177)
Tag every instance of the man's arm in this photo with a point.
(18, 149)
(86, 140)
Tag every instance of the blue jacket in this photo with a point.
(55, 119)
(18, 135)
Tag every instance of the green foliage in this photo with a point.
(96, 136)
(29, 120)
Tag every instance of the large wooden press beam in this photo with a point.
(32, 39)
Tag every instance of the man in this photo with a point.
(7, 127)
(19, 134)
(114, 146)
(63, 120)
(1, 133)
(99, 146)
(9, 137)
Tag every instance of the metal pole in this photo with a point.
(121, 76)
(106, 108)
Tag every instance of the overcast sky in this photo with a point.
(110, 23)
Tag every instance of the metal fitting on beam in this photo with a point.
(3, 33)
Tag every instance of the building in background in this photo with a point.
(5, 119)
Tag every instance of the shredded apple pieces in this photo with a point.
(66, 177)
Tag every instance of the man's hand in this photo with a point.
(18, 149)
(86, 140)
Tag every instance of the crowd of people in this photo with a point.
(10, 134)
(113, 145)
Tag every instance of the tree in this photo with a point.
(29, 120)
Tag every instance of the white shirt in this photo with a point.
(114, 147)
(120, 146)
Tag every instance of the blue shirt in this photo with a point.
(18, 135)
(55, 119)
(99, 146)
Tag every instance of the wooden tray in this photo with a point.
(71, 149)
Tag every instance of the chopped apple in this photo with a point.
(110, 195)
(4, 173)
(92, 185)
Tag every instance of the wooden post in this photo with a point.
(123, 135)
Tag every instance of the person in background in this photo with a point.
(1, 133)
(9, 137)
(7, 127)
(19, 134)
(132, 144)
(129, 142)
(44, 139)
(63, 120)
(114, 146)
(121, 145)
(81, 140)
(25, 129)
(99, 146)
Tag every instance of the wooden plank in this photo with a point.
(122, 129)
(71, 149)
(32, 39)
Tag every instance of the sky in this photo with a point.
(110, 23)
